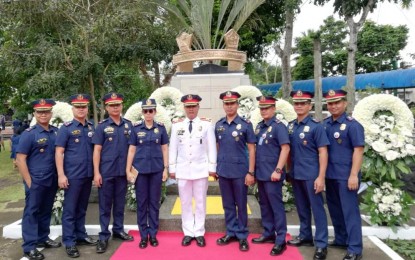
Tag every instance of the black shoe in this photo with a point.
(49, 244)
(34, 255)
(243, 245)
(154, 241)
(262, 240)
(72, 251)
(334, 244)
(201, 241)
(351, 256)
(187, 240)
(142, 244)
(123, 236)
(225, 240)
(278, 249)
(89, 241)
(320, 253)
(298, 241)
(102, 246)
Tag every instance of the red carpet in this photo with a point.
(170, 249)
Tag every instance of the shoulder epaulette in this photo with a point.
(350, 118)
(67, 123)
(139, 122)
(31, 128)
(127, 120)
(292, 121)
(277, 120)
(178, 120)
(206, 119)
(315, 120)
(102, 121)
(159, 123)
(246, 120)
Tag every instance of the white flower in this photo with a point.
(169, 96)
(247, 101)
(391, 155)
(374, 129)
(134, 114)
(61, 111)
(379, 146)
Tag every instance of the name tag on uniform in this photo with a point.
(260, 141)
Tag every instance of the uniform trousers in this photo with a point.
(306, 202)
(272, 210)
(193, 223)
(75, 205)
(112, 196)
(344, 211)
(37, 213)
(148, 193)
(234, 199)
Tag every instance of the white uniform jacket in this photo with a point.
(192, 155)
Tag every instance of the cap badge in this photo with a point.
(42, 101)
(80, 97)
(262, 98)
(299, 93)
(113, 96)
(148, 102)
(331, 93)
(228, 94)
(189, 97)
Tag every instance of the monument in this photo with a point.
(209, 79)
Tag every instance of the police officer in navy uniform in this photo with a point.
(346, 148)
(308, 163)
(36, 162)
(75, 173)
(110, 158)
(272, 150)
(147, 167)
(234, 136)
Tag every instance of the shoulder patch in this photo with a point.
(315, 120)
(178, 120)
(206, 119)
(126, 119)
(67, 123)
(30, 128)
(278, 121)
(350, 118)
(103, 121)
(138, 123)
(246, 120)
(159, 123)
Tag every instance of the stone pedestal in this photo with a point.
(209, 86)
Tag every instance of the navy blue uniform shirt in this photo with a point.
(148, 156)
(270, 136)
(114, 141)
(232, 139)
(77, 141)
(344, 135)
(39, 146)
(305, 138)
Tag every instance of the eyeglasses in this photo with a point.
(150, 111)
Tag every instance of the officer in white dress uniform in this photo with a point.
(192, 158)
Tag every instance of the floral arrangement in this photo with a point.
(247, 101)
(61, 112)
(389, 152)
(390, 206)
(170, 99)
(284, 112)
(287, 196)
(57, 207)
(130, 198)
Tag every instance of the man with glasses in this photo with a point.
(192, 158)
(272, 149)
(74, 164)
(308, 163)
(235, 139)
(110, 158)
(36, 162)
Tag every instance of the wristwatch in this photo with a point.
(251, 173)
(278, 170)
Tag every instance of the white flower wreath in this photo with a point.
(61, 112)
(134, 114)
(389, 135)
(170, 99)
(284, 112)
(247, 101)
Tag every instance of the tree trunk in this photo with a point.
(285, 54)
(351, 64)
(318, 95)
(94, 102)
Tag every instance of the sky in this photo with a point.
(311, 17)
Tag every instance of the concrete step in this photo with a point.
(214, 222)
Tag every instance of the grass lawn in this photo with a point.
(11, 187)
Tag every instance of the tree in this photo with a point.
(349, 9)
(378, 46)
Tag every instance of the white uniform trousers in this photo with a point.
(193, 223)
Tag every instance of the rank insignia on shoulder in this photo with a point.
(206, 119)
(103, 121)
(138, 123)
(67, 123)
(127, 120)
(178, 120)
(30, 128)
(159, 123)
(316, 120)
(350, 118)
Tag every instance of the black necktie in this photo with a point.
(190, 126)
